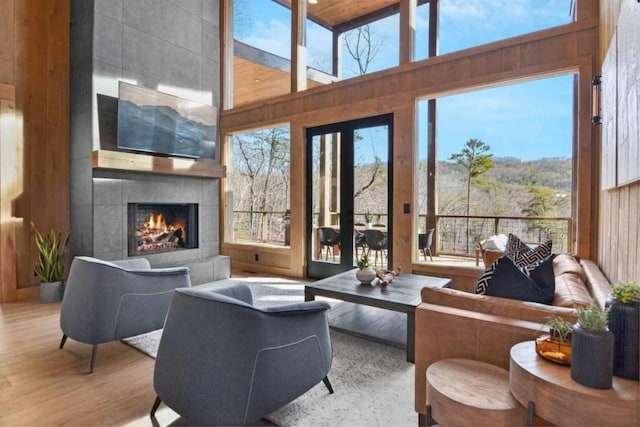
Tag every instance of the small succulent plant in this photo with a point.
(560, 329)
(363, 261)
(626, 293)
(593, 318)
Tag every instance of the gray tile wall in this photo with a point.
(167, 45)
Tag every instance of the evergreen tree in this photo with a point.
(475, 160)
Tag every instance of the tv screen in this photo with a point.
(156, 122)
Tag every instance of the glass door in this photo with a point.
(349, 198)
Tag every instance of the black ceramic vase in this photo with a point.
(592, 357)
(624, 323)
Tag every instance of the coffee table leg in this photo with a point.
(531, 412)
(411, 335)
(308, 296)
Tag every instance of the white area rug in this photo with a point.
(373, 383)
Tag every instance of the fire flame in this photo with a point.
(156, 224)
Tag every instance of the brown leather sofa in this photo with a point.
(455, 323)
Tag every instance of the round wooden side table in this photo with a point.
(548, 391)
(463, 392)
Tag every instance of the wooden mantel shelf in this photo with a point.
(142, 163)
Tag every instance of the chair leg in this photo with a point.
(155, 406)
(430, 256)
(93, 357)
(63, 340)
(326, 382)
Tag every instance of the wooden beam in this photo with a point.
(519, 58)
(226, 54)
(337, 54)
(298, 45)
(118, 160)
(434, 14)
(7, 41)
(12, 186)
(407, 30)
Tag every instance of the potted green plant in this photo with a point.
(624, 323)
(365, 274)
(49, 266)
(592, 348)
(556, 346)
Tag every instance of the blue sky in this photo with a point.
(527, 120)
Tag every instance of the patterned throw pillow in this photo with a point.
(533, 257)
(506, 280)
(514, 244)
(524, 256)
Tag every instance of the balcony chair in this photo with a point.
(110, 300)
(223, 361)
(424, 243)
(328, 238)
(376, 241)
(359, 241)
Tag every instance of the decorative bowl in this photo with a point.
(554, 351)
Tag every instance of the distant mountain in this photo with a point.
(548, 172)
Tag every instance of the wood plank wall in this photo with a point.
(570, 48)
(619, 227)
(34, 58)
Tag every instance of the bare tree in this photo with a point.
(261, 174)
(363, 46)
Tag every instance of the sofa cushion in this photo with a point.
(571, 291)
(567, 263)
(524, 310)
(506, 280)
(571, 285)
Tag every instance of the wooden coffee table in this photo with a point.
(549, 392)
(402, 295)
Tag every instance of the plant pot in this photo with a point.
(365, 275)
(624, 323)
(51, 292)
(592, 357)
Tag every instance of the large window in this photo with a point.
(263, 24)
(504, 164)
(464, 24)
(262, 50)
(259, 182)
(319, 47)
(371, 47)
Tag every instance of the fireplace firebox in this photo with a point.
(159, 227)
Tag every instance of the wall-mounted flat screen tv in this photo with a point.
(156, 122)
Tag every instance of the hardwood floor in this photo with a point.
(41, 385)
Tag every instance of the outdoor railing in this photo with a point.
(261, 226)
(450, 237)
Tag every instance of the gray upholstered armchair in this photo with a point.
(223, 361)
(110, 300)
